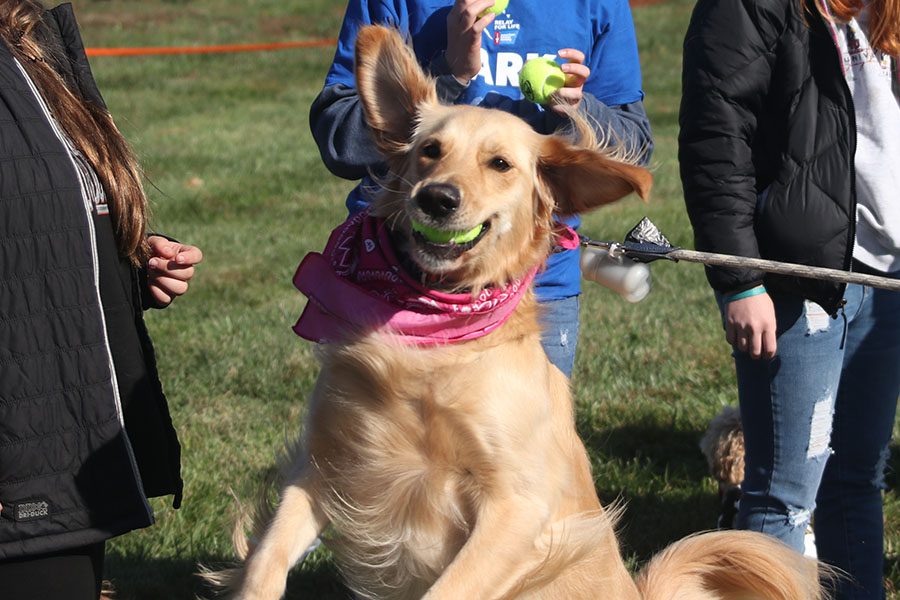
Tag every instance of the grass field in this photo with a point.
(226, 146)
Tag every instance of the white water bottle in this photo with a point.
(628, 278)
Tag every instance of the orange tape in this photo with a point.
(169, 50)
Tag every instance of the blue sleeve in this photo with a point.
(359, 14)
(336, 117)
(615, 67)
(613, 97)
(625, 125)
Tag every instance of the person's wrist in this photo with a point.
(754, 291)
(457, 67)
(462, 80)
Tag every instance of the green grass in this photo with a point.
(225, 143)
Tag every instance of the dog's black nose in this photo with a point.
(438, 200)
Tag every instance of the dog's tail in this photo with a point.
(731, 564)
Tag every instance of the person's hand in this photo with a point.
(170, 268)
(464, 30)
(576, 74)
(750, 326)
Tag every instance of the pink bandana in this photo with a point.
(357, 285)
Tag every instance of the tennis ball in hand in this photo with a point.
(539, 78)
(498, 7)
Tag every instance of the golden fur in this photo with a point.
(723, 447)
(455, 472)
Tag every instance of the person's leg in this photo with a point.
(787, 405)
(74, 574)
(559, 335)
(848, 519)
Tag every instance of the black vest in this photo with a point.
(75, 358)
(767, 141)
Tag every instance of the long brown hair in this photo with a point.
(884, 21)
(88, 125)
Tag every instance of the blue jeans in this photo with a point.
(817, 425)
(559, 322)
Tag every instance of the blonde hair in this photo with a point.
(884, 21)
(88, 125)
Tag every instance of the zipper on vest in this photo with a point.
(851, 240)
(88, 207)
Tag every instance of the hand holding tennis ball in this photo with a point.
(540, 78)
(466, 24)
(498, 7)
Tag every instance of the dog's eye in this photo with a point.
(431, 150)
(499, 164)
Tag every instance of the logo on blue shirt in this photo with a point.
(506, 30)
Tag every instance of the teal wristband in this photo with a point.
(756, 291)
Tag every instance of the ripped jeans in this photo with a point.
(817, 424)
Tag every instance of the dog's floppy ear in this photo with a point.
(391, 85)
(581, 179)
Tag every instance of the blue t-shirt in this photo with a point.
(602, 29)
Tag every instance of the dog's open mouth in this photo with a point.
(447, 244)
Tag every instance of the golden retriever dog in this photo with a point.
(453, 471)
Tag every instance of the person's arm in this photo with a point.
(449, 87)
(339, 128)
(606, 88)
(725, 80)
(336, 116)
(726, 74)
(623, 125)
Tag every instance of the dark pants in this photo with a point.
(74, 574)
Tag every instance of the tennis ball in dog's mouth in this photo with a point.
(446, 236)
(498, 7)
(539, 78)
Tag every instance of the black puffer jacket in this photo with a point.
(85, 433)
(767, 142)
